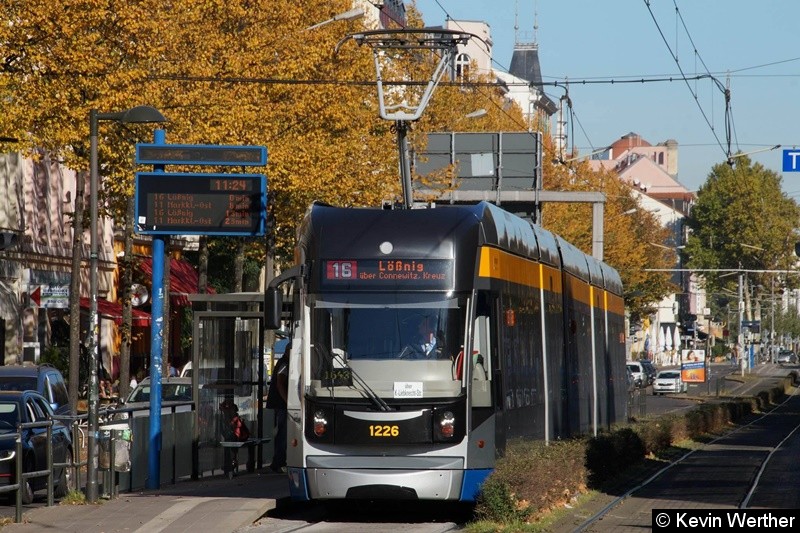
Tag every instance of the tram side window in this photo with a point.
(481, 352)
(481, 361)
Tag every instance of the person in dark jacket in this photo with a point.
(276, 400)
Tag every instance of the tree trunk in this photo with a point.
(202, 270)
(127, 306)
(75, 294)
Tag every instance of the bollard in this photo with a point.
(49, 449)
(20, 481)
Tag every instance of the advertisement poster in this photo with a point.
(693, 366)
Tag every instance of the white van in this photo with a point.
(639, 373)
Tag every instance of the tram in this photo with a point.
(425, 339)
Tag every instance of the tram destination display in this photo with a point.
(200, 204)
(380, 273)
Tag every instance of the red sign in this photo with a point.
(368, 274)
(341, 270)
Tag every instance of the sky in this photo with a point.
(753, 48)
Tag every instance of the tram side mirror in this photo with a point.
(273, 302)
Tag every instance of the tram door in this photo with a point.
(485, 377)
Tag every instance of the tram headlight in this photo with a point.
(320, 423)
(447, 425)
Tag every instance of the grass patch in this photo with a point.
(74, 497)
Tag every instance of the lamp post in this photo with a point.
(139, 114)
(352, 14)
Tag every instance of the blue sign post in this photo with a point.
(153, 480)
(190, 204)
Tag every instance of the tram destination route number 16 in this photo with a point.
(364, 273)
(200, 204)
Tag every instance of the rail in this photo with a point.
(180, 451)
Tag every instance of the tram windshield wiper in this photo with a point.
(377, 400)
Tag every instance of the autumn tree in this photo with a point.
(249, 72)
(628, 230)
(222, 72)
(742, 222)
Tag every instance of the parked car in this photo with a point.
(669, 381)
(176, 389)
(786, 357)
(631, 379)
(44, 379)
(650, 369)
(29, 406)
(638, 372)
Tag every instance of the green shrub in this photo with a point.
(497, 503)
(655, 435)
(609, 453)
(533, 477)
(58, 357)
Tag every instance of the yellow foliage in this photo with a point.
(248, 72)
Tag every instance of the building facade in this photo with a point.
(37, 205)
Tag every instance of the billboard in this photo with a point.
(693, 366)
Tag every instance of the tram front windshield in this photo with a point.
(386, 344)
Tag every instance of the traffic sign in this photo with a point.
(50, 296)
(753, 325)
(791, 160)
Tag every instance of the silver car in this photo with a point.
(175, 389)
(639, 374)
(669, 381)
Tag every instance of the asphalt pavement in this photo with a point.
(213, 504)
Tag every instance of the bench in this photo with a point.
(231, 449)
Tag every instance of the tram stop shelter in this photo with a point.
(228, 367)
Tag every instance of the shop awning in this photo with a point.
(113, 311)
(183, 280)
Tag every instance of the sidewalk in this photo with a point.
(214, 504)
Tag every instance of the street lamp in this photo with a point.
(353, 14)
(136, 115)
(478, 113)
(740, 154)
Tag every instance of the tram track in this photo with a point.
(733, 443)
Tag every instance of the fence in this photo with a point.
(125, 430)
(20, 474)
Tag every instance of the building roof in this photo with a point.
(525, 65)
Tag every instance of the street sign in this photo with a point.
(754, 326)
(50, 296)
(200, 154)
(200, 204)
(791, 160)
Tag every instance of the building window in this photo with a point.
(462, 66)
